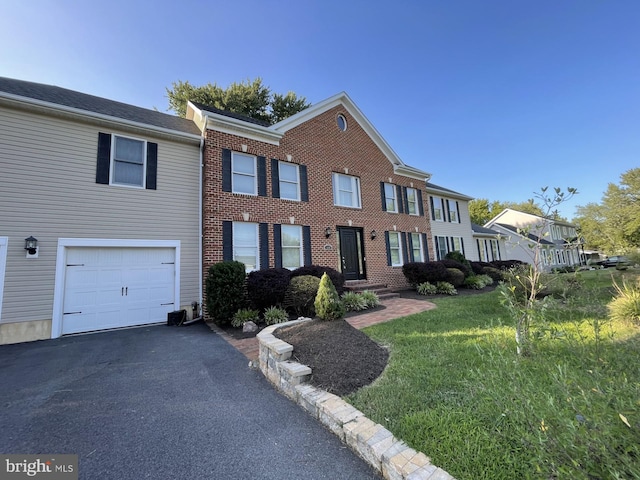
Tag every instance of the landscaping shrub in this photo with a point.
(266, 288)
(486, 279)
(446, 288)
(420, 272)
(337, 278)
(225, 290)
(478, 267)
(496, 274)
(626, 304)
(370, 298)
(301, 295)
(353, 302)
(459, 257)
(475, 282)
(455, 277)
(327, 303)
(506, 264)
(427, 288)
(243, 316)
(273, 315)
(465, 269)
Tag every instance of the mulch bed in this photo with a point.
(342, 358)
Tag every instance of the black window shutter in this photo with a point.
(447, 211)
(478, 245)
(437, 239)
(449, 244)
(304, 184)
(458, 210)
(420, 206)
(152, 165)
(262, 176)
(263, 232)
(405, 199)
(399, 199)
(226, 170)
(498, 249)
(410, 241)
(277, 245)
(104, 158)
(433, 210)
(306, 245)
(388, 245)
(405, 255)
(425, 247)
(462, 245)
(382, 196)
(275, 179)
(227, 240)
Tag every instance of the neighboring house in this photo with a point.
(490, 244)
(558, 241)
(321, 187)
(111, 193)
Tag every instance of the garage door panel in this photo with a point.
(117, 287)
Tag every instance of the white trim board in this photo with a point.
(4, 241)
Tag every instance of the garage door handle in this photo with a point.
(71, 313)
(126, 291)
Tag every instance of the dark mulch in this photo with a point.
(342, 358)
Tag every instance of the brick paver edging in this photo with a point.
(371, 441)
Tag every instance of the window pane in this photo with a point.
(289, 191)
(389, 191)
(345, 199)
(244, 235)
(291, 258)
(244, 184)
(128, 173)
(289, 173)
(243, 164)
(246, 256)
(395, 257)
(291, 236)
(393, 240)
(344, 182)
(129, 150)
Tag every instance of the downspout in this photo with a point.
(200, 213)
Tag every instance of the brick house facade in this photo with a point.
(321, 187)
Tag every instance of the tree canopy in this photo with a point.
(482, 210)
(251, 98)
(613, 225)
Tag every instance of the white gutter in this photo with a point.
(99, 116)
(200, 222)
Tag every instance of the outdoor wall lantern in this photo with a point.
(31, 246)
(327, 232)
(374, 234)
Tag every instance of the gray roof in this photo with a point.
(447, 190)
(483, 230)
(530, 236)
(227, 113)
(93, 104)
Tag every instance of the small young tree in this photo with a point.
(523, 284)
(328, 304)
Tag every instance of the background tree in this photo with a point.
(251, 98)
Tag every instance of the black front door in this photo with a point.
(352, 253)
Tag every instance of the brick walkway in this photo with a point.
(395, 308)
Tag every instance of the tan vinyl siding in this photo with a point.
(48, 190)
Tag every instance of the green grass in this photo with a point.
(456, 390)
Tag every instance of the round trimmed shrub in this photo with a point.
(301, 295)
(465, 269)
(455, 277)
(337, 278)
(267, 288)
(421, 272)
(225, 291)
(478, 267)
(497, 275)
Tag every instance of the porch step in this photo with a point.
(380, 289)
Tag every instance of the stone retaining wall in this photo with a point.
(372, 442)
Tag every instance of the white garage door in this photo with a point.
(117, 287)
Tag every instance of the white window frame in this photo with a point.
(244, 174)
(482, 250)
(398, 248)
(298, 230)
(458, 241)
(4, 241)
(495, 252)
(416, 208)
(354, 192)
(441, 245)
(438, 211)
(417, 246)
(114, 161)
(237, 245)
(390, 187)
(289, 182)
(453, 211)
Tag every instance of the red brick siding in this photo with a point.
(323, 148)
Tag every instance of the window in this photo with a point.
(456, 244)
(342, 122)
(416, 245)
(346, 191)
(245, 245)
(395, 249)
(453, 211)
(291, 246)
(391, 202)
(412, 202)
(436, 207)
(441, 247)
(289, 178)
(482, 250)
(243, 174)
(128, 161)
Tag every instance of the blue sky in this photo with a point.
(494, 98)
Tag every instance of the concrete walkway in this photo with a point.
(394, 308)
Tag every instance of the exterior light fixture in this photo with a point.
(327, 232)
(374, 234)
(31, 246)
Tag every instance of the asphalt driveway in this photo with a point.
(160, 402)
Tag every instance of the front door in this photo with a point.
(352, 253)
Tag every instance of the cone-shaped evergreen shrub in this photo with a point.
(328, 304)
(225, 291)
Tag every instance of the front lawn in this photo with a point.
(456, 390)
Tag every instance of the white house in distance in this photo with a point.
(559, 243)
